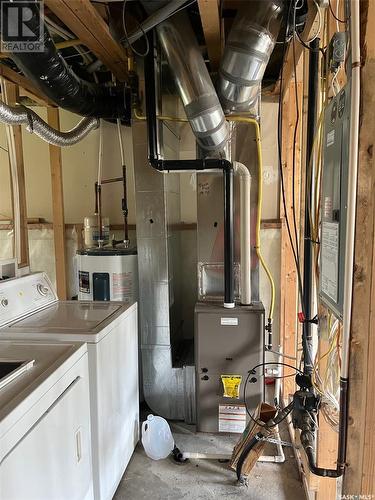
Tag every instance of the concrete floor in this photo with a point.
(147, 479)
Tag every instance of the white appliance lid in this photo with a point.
(68, 316)
(47, 357)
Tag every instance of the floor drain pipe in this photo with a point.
(210, 164)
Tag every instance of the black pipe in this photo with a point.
(192, 165)
(55, 79)
(250, 445)
(308, 244)
(308, 438)
(125, 210)
(343, 425)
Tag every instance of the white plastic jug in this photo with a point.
(157, 437)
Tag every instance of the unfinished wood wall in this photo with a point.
(359, 477)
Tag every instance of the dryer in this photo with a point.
(110, 330)
(45, 447)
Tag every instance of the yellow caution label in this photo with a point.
(231, 385)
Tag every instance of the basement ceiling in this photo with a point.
(89, 33)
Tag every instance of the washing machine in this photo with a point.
(110, 330)
(45, 442)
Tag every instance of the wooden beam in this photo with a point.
(81, 17)
(294, 55)
(289, 285)
(360, 474)
(10, 75)
(15, 152)
(59, 45)
(211, 23)
(58, 208)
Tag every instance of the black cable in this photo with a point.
(294, 150)
(343, 21)
(127, 37)
(245, 452)
(252, 372)
(306, 350)
(279, 140)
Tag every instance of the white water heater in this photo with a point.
(108, 274)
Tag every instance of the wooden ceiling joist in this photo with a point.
(30, 89)
(81, 17)
(293, 56)
(211, 23)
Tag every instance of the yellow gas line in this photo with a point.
(253, 121)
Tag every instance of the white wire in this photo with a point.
(337, 15)
(334, 82)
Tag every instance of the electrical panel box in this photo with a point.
(334, 200)
(228, 343)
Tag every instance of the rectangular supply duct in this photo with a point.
(168, 391)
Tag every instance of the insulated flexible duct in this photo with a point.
(18, 116)
(51, 74)
(202, 106)
(247, 52)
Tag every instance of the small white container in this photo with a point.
(91, 230)
(157, 437)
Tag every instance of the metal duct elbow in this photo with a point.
(51, 74)
(24, 116)
(247, 52)
(201, 103)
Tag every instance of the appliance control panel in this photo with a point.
(24, 295)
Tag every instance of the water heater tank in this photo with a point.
(108, 274)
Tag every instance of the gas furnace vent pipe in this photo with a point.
(245, 245)
(198, 95)
(247, 52)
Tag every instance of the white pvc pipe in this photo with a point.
(352, 183)
(245, 235)
(206, 456)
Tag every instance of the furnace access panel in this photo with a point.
(334, 200)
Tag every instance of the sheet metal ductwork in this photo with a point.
(193, 81)
(247, 52)
(51, 74)
(170, 390)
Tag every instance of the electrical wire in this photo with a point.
(342, 21)
(258, 248)
(126, 37)
(139, 54)
(282, 181)
(305, 43)
(253, 372)
(296, 126)
(335, 82)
